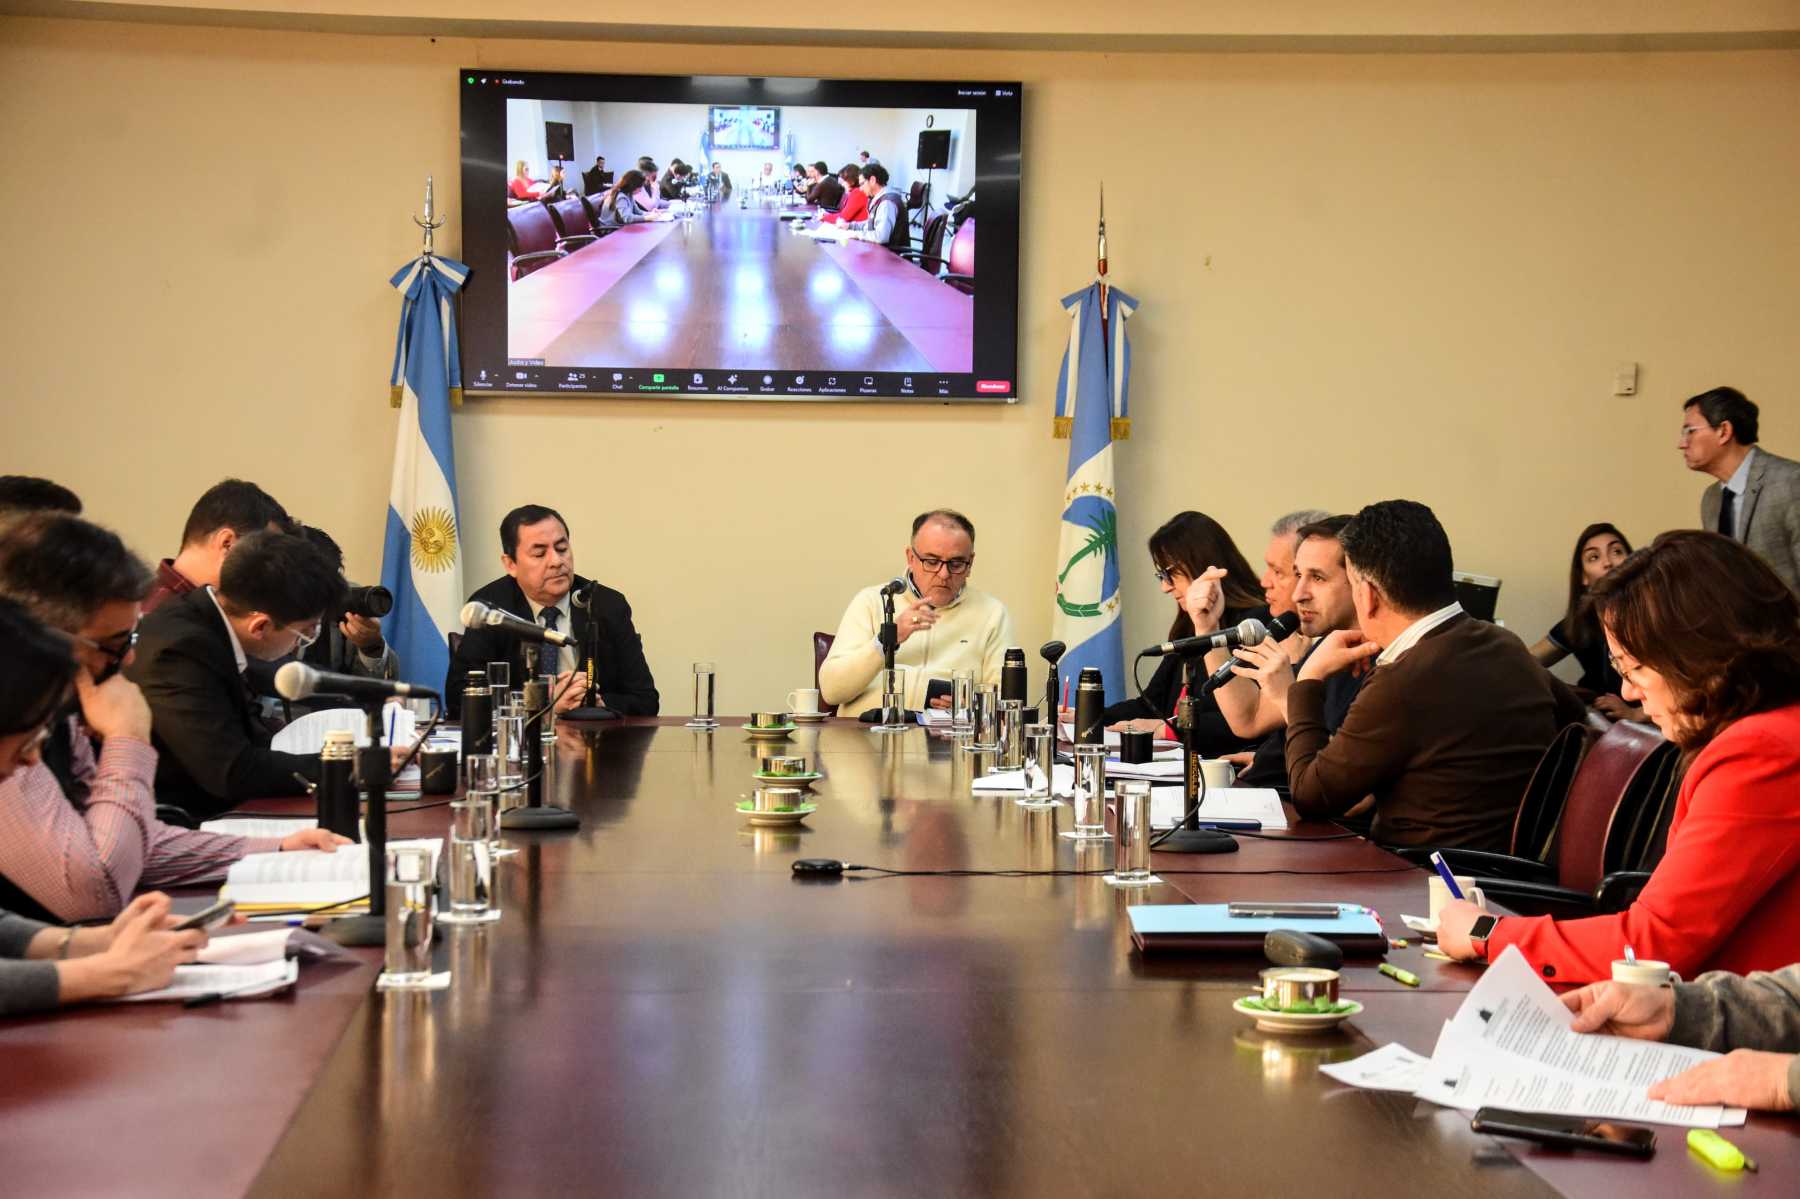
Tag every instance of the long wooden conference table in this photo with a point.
(664, 1010)
(736, 287)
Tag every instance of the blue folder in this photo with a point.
(1210, 927)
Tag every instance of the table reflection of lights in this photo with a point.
(408, 1066)
(1286, 1060)
(768, 841)
(471, 975)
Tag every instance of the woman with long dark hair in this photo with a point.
(1186, 546)
(1707, 637)
(136, 952)
(619, 206)
(1598, 551)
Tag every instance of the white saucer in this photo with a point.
(808, 717)
(1297, 1021)
(802, 781)
(777, 819)
(774, 732)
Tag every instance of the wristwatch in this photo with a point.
(1479, 932)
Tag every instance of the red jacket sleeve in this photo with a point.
(856, 208)
(1735, 837)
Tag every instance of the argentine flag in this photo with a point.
(421, 561)
(1091, 394)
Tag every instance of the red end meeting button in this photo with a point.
(993, 386)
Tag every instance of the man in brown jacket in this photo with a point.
(1454, 714)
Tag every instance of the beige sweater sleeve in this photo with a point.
(855, 656)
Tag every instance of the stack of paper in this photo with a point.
(1062, 781)
(1510, 1046)
(308, 879)
(1262, 804)
(226, 982)
(253, 826)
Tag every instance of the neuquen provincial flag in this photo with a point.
(422, 552)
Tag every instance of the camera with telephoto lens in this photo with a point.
(370, 602)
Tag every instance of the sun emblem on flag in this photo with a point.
(433, 540)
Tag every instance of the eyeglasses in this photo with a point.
(1688, 431)
(956, 566)
(118, 647)
(305, 637)
(1626, 672)
(1165, 574)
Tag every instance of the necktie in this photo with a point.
(549, 656)
(1728, 513)
(552, 616)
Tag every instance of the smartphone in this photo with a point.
(1567, 1132)
(937, 687)
(1317, 911)
(211, 918)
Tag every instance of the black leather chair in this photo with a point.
(821, 645)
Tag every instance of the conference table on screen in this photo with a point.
(735, 288)
(664, 1010)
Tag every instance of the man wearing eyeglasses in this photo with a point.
(78, 828)
(943, 624)
(213, 752)
(1756, 499)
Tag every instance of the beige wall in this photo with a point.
(1362, 277)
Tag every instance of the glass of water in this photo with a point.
(893, 702)
(1090, 793)
(484, 786)
(1040, 766)
(1012, 734)
(409, 884)
(985, 732)
(962, 699)
(1131, 860)
(471, 863)
(703, 697)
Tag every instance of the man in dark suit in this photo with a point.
(1757, 497)
(596, 178)
(541, 586)
(212, 750)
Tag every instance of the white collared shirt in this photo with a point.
(565, 623)
(237, 647)
(1736, 485)
(1414, 632)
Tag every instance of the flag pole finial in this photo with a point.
(431, 223)
(1102, 269)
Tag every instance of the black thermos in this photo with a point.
(1013, 683)
(477, 715)
(1090, 703)
(531, 754)
(336, 793)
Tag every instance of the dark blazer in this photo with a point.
(1768, 512)
(622, 675)
(595, 180)
(828, 193)
(212, 750)
(1445, 739)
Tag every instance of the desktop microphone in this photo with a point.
(476, 615)
(297, 680)
(895, 587)
(1249, 632)
(1280, 629)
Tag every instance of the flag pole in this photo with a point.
(429, 225)
(1101, 270)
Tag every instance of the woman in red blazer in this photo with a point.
(1707, 638)
(855, 206)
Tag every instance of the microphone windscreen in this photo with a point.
(1252, 632)
(294, 681)
(474, 613)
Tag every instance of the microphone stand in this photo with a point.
(892, 720)
(373, 773)
(1189, 837)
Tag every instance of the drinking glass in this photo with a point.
(1040, 766)
(408, 918)
(509, 744)
(986, 708)
(499, 677)
(962, 698)
(1131, 860)
(484, 785)
(703, 697)
(471, 864)
(893, 702)
(1090, 793)
(1012, 724)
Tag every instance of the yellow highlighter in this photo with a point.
(1718, 1151)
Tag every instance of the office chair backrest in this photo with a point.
(822, 643)
(571, 218)
(1600, 799)
(1479, 595)
(1534, 828)
(962, 249)
(931, 243)
(915, 196)
(530, 228)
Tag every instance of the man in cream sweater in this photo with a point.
(944, 625)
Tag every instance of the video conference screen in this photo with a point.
(653, 235)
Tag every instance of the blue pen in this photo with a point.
(1437, 863)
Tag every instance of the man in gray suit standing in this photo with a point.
(1757, 497)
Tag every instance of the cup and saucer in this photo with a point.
(769, 726)
(804, 706)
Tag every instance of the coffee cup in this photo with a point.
(1440, 894)
(1644, 972)
(804, 701)
(767, 720)
(775, 799)
(778, 765)
(1136, 747)
(1218, 773)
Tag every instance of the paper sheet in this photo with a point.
(1000, 782)
(1510, 1045)
(1262, 804)
(229, 982)
(1167, 770)
(310, 877)
(307, 734)
(246, 949)
(251, 826)
(1393, 1067)
(1066, 731)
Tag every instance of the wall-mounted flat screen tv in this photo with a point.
(664, 235)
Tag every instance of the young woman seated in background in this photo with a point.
(1599, 549)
